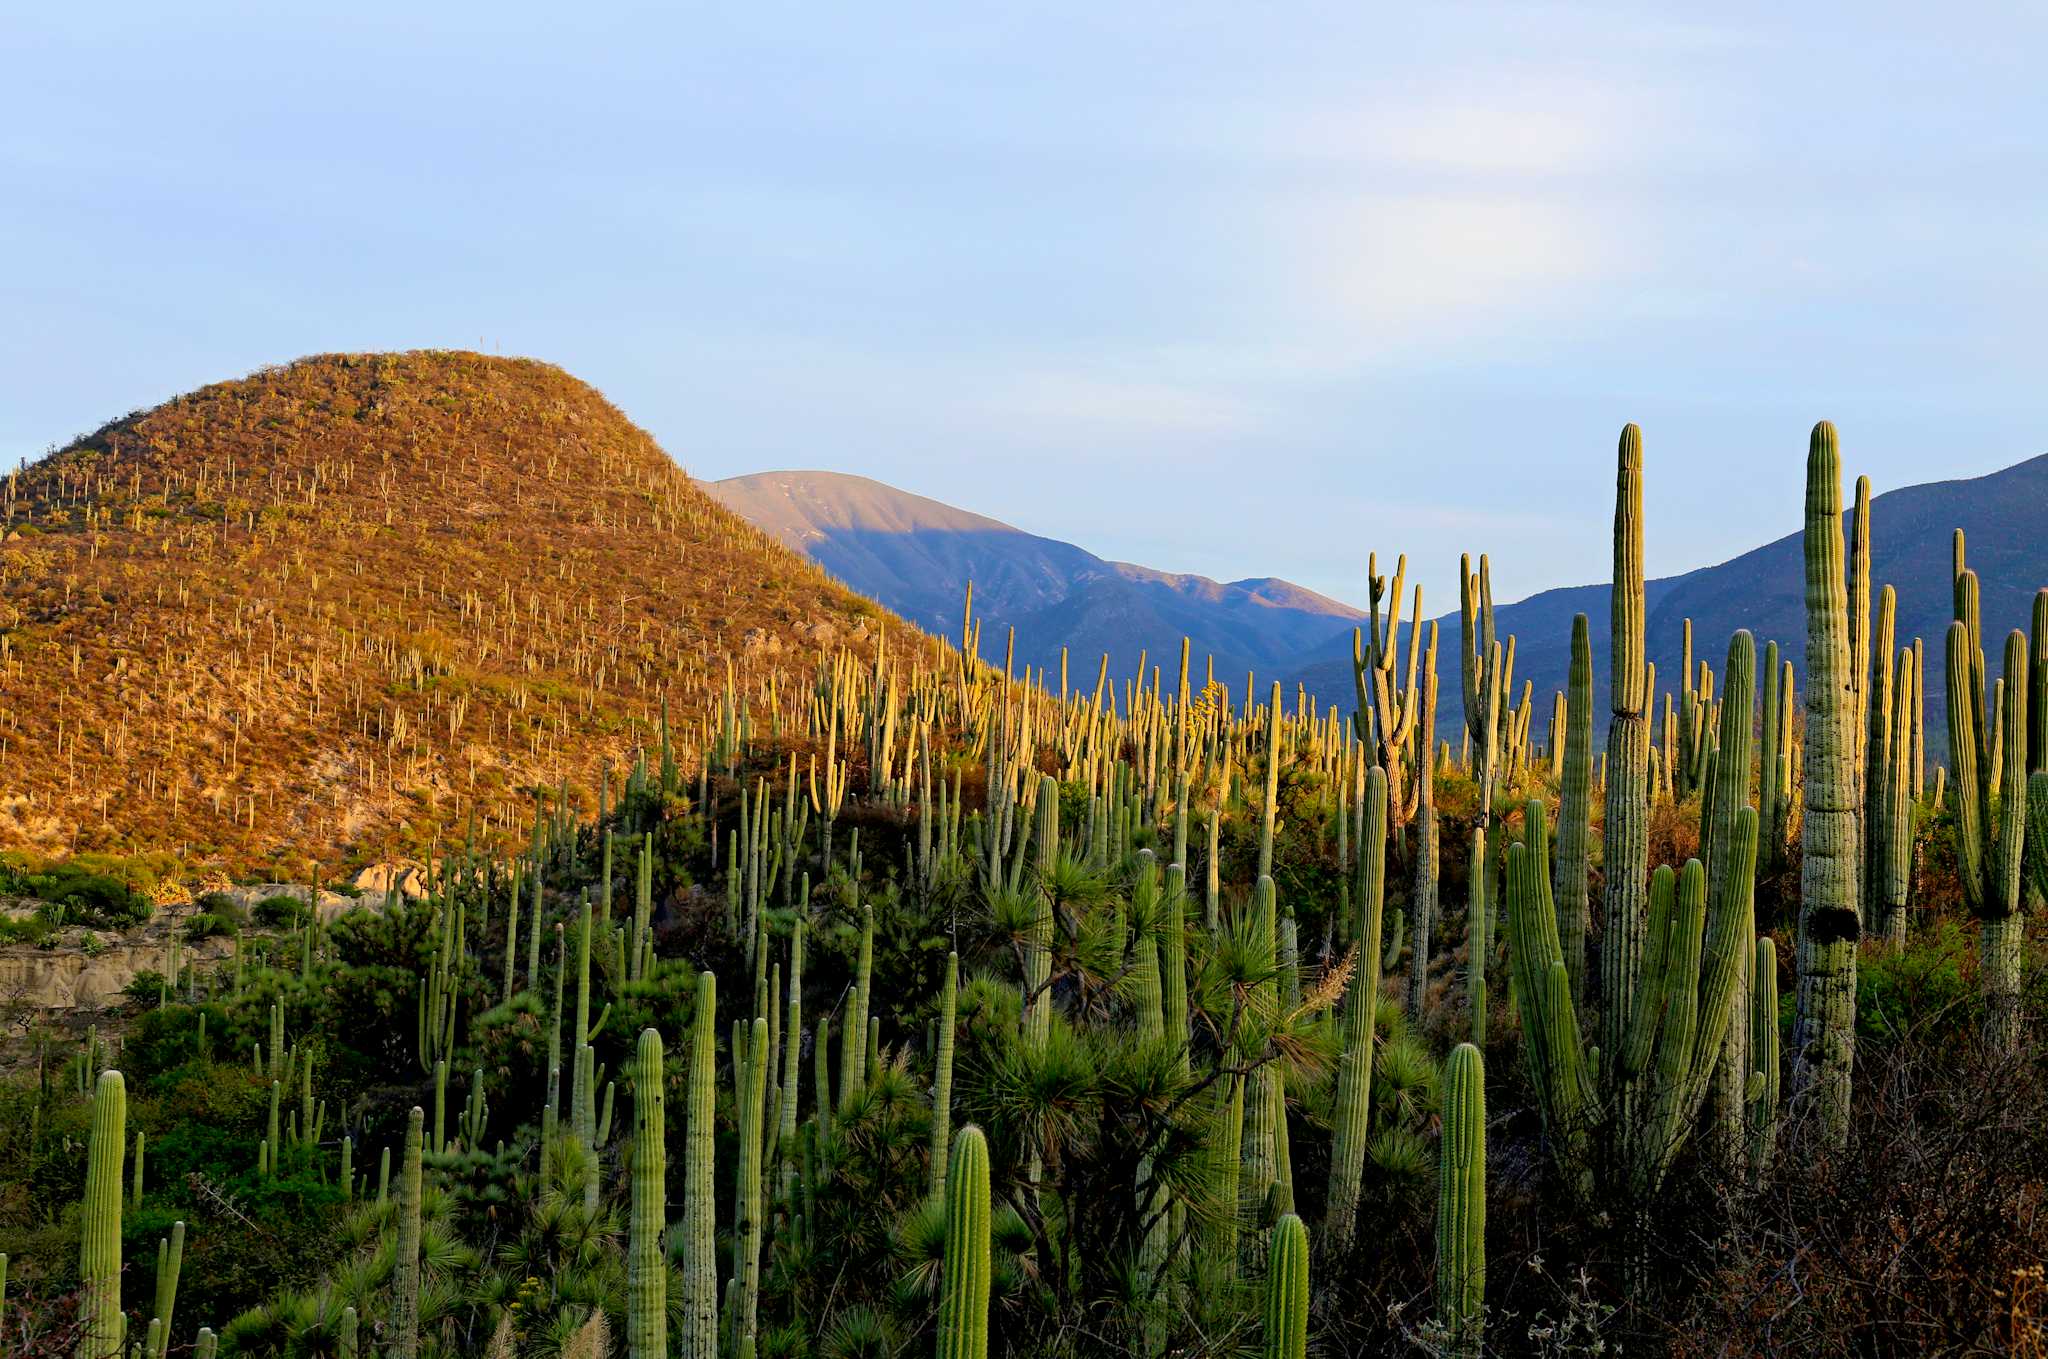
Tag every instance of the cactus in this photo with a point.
(1575, 809)
(1989, 858)
(753, 1094)
(852, 1053)
(1461, 1203)
(646, 1260)
(350, 1328)
(207, 1344)
(1763, 1056)
(1625, 832)
(793, 1046)
(963, 1306)
(1824, 1036)
(1478, 935)
(405, 1274)
(1354, 1069)
(700, 1268)
(170, 1259)
(942, 1075)
(1287, 1291)
(100, 1322)
(1423, 894)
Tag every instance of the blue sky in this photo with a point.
(1237, 289)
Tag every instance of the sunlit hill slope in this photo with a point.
(329, 609)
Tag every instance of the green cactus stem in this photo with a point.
(1461, 1203)
(963, 1305)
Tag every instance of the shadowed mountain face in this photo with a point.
(916, 555)
(2004, 517)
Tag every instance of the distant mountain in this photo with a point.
(2004, 518)
(915, 555)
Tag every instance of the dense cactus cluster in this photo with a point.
(1056, 1104)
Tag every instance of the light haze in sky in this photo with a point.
(1216, 287)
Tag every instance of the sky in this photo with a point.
(1238, 289)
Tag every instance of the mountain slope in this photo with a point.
(328, 609)
(2001, 515)
(915, 555)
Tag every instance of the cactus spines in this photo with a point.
(99, 1234)
(646, 1260)
(405, 1274)
(963, 1306)
(1354, 1067)
(700, 1264)
(1575, 810)
(1287, 1291)
(1461, 1202)
(942, 1074)
(1824, 1038)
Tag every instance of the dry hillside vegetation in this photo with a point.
(328, 610)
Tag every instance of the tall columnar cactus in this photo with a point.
(1461, 1203)
(792, 1054)
(1575, 809)
(852, 1049)
(1038, 946)
(700, 1244)
(753, 1097)
(1824, 1037)
(942, 1074)
(1721, 1052)
(1763, 1057)
(1625, 834)
(170, 1260)
(99, 1233)
(1354, 1068)
(1770, 848)
(1422, 896)
(351, 1328)
(405, 1273)
(1287, 1291)
(1991, 831)
(1894, 868)
(646, 1259)
(1271, 806)
(1479, 928)
(963, 1306)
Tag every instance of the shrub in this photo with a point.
(223, 905)
(280, 911)
(207, 926)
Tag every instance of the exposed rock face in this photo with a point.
(376, 882)
(78, 978)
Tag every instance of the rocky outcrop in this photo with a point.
(91, 975)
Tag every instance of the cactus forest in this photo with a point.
(897, 1001)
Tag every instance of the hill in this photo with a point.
(334, 607)
(916, 555)
(1762, 590)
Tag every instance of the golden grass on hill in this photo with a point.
(325, 611)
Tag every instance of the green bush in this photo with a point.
(280, 912)
(207, 926)
(223, 905)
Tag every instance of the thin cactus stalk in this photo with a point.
(1287, 1291)
(942, 1075)
(700, 1264)
(100, 1322)
(1352, 1112)
(1824, 1037)
(747, 1226)
(405, 1274)
(1570, 886)
(1625, 832)
(965, 1276)
(1762, 1114)
(852, 1049)
(1478, 937)
(1461, 1203)
(170, 1260)
(646, 1260)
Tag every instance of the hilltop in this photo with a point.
(332, 608)
(916, 555)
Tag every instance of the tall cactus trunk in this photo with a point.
(1625, 833)
(963, 1306)
(1571, 889)
(1354, 1068)
(700, 1242)
(405, 1274)
(1461, 1204)
(1824, 1037)
(1287, 1291)
(99, 1235)
(646, 1257)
